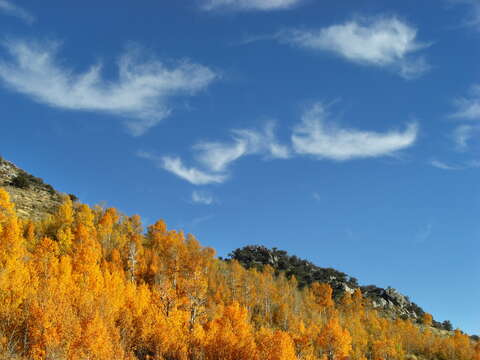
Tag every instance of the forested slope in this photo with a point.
(388, 301)
(92, 284)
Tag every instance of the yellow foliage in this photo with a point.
(90, 284)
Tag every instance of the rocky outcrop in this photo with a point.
(389, 302)
(392, 302)
(32, 197)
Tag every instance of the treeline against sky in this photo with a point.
(91, 283)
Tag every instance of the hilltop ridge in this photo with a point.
(389, 301)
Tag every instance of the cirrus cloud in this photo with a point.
(203, 198)
(217, 156)
(384, 42)
(468, 107)
(249, 5)
(8, 8)
(175, 165)
(140, 94)
(214, 158)
(316, 136)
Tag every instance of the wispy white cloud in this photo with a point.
(214, 158)
(316, 196)
(383, 42)
(315, 136)
(9, 8)
(468, 108)
(424, 233)
(192, 175)
(140, 94)
(176, 166)
(472, 19)
(464, 165)
(444, 166)
(202, 197)
(217, 156)
(249, 5)
(473, 164)
(462, 135)
(199, 220)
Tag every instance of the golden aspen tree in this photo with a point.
(194, 279)
(230, 337)
(427, 319)
(15, 280)
(53, 324)
(30, 235)
(461, 343)
(98, 342)
(334, 341)
(358, 302)
(275, 345)
(477, 351)
(7, 209)
(322, 295)
(303, 338)
(319, 301)
(346, 303)
(106, 224)
(384, 349)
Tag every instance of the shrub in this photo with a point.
(447, 325)
(20, 181)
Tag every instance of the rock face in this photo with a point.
(32, 197)
(393, 303)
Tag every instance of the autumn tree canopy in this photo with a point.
(91, 283)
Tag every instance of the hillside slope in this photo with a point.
(388, 301)
(32, 197)
(91, 283)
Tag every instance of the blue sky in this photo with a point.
(344, 132)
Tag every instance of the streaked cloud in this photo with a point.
(463, 165)
(318, 137)
(192, 175)
(8, 8)
(444, 166)
(217, 156)
(214, 159)
(249, 5)
(384, 42)
(462, 135)
(175, 165)
(202, 197)
(424, 233)
(141, 93)
(201, 219)
(315, 135)
(468, 108)
(472, 18)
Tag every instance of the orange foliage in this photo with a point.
(90, 284)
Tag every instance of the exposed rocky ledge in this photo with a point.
(32, 197)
